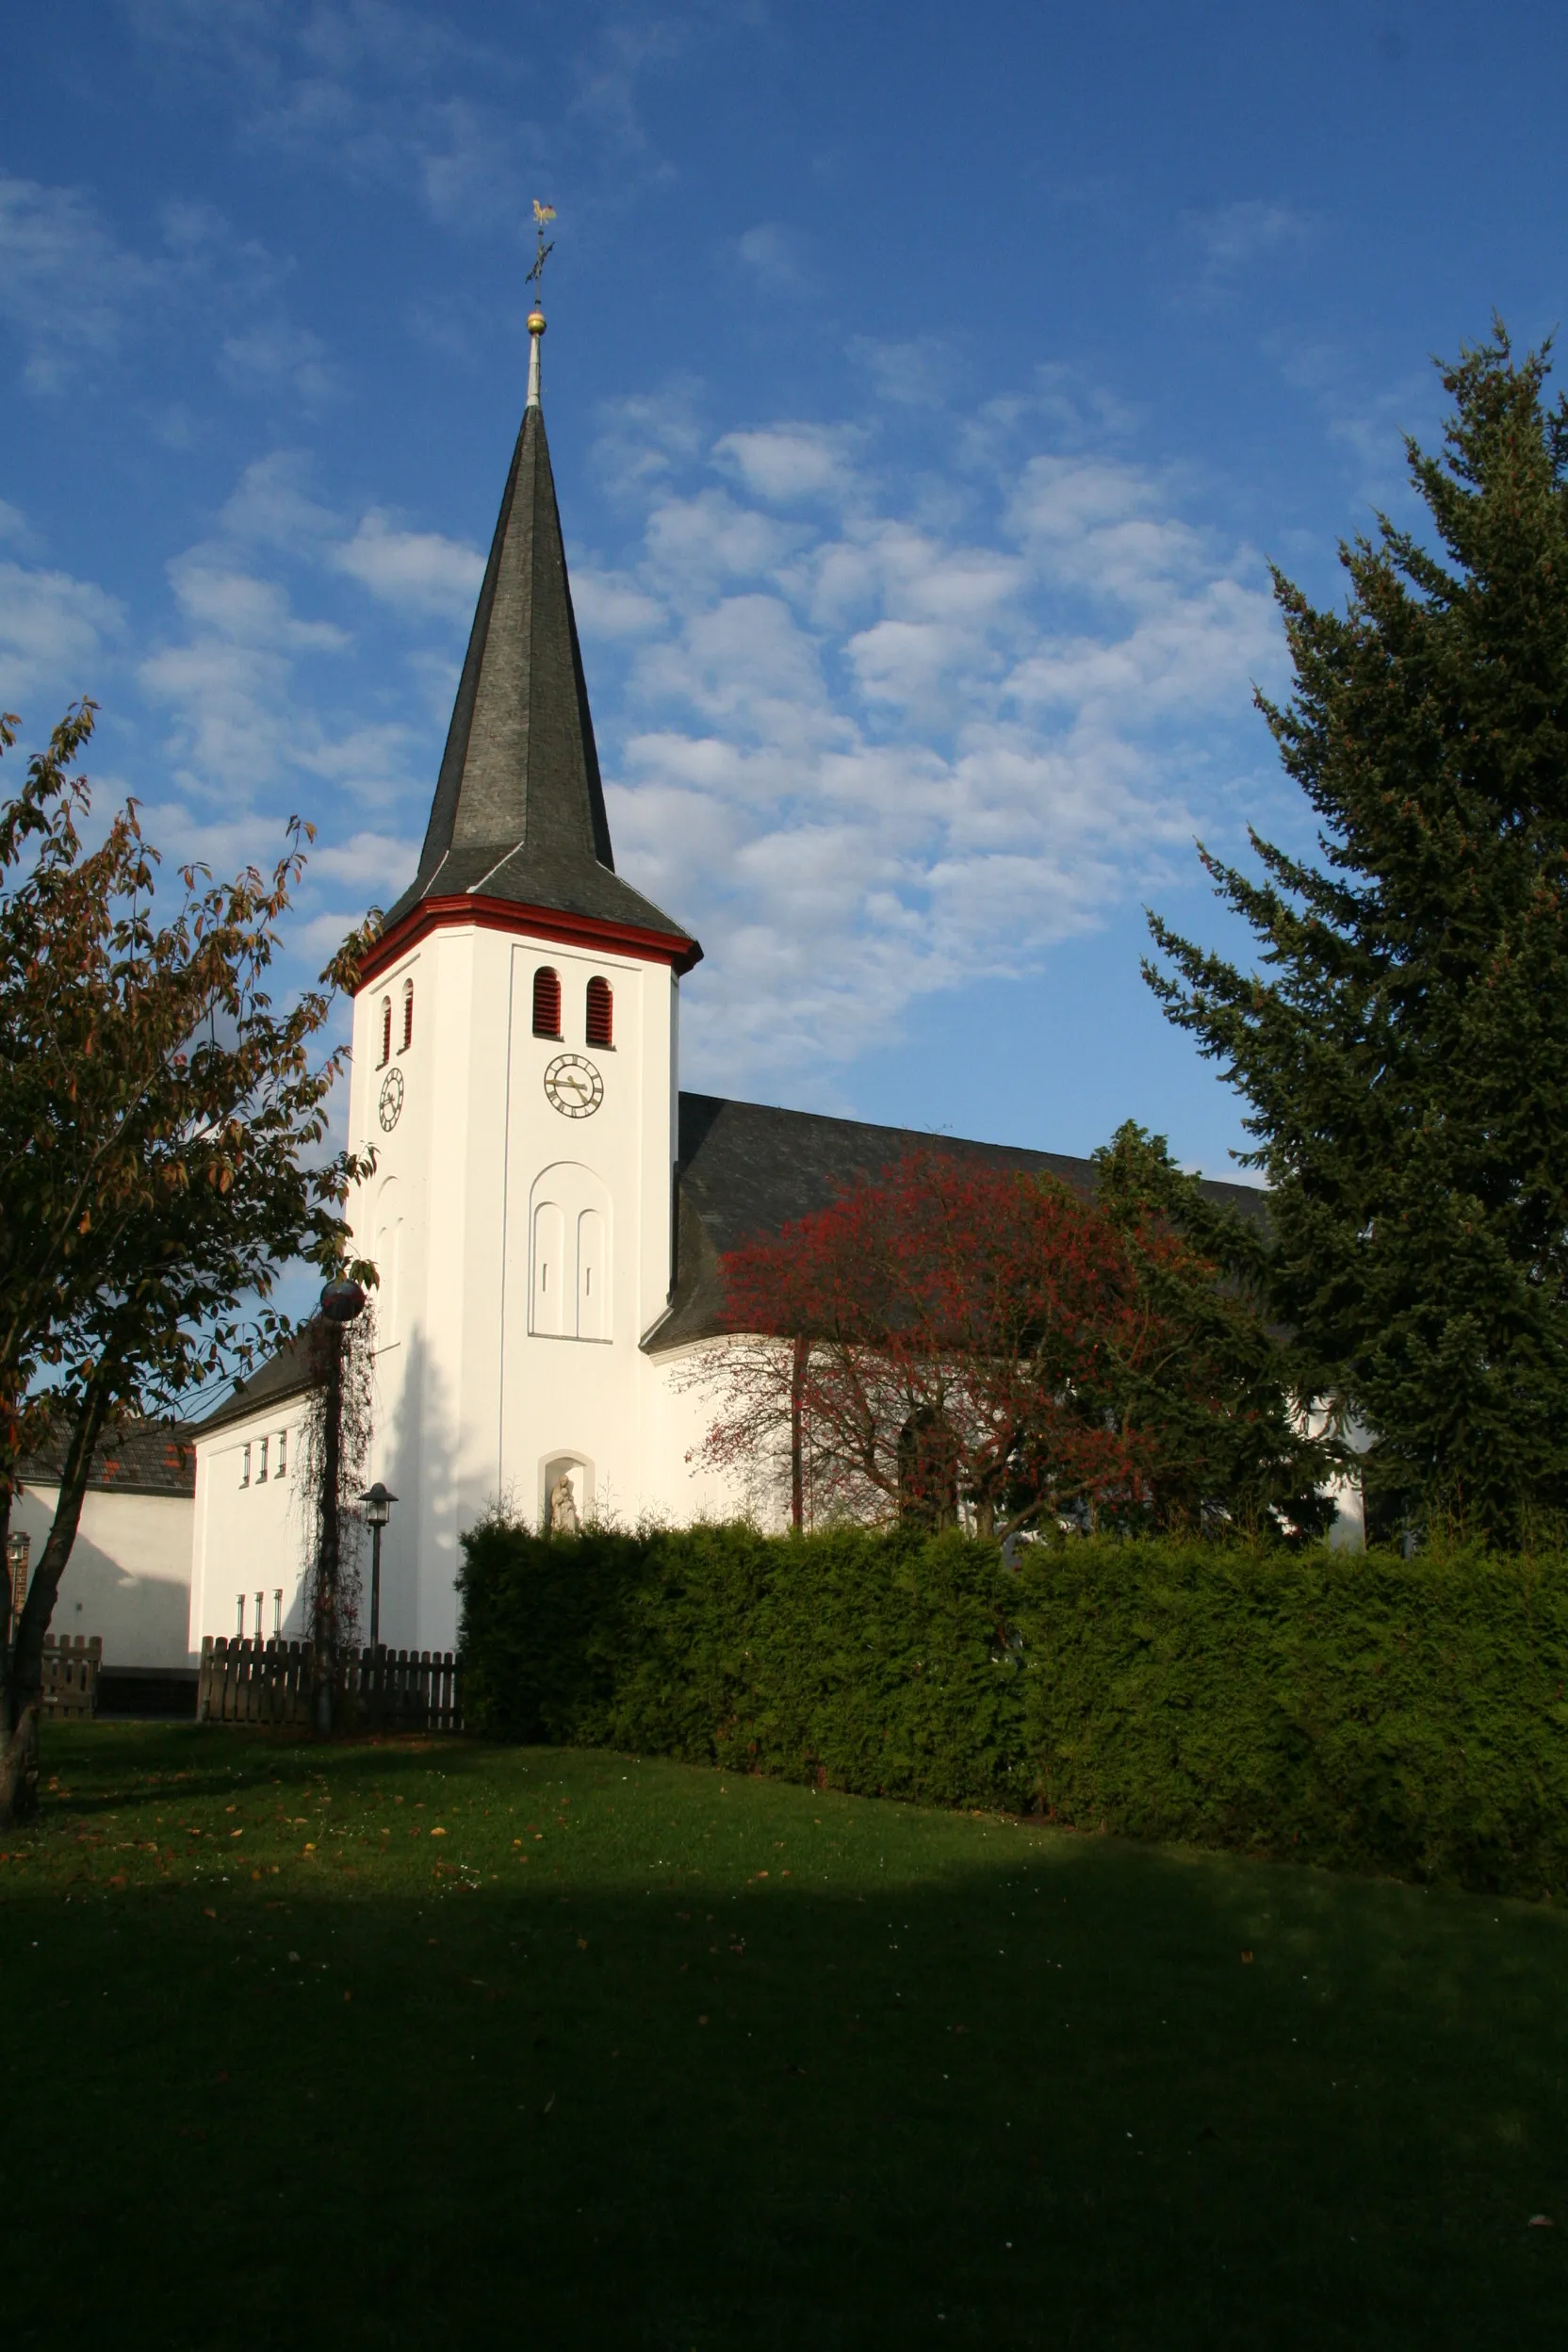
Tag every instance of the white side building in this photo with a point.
(128, 1578)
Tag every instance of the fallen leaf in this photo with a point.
(1245, 1959)
(438, 1833)
(1539, 2221)
(207, 1914)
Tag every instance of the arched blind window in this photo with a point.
(601, 1013)
(547, 1003)
(385, 1029)
(408, 1017)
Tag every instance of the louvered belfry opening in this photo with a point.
(547, 1003)
(385, 1030)
(601, 1013)
(408, 1017)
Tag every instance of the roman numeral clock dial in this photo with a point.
(574, 1085)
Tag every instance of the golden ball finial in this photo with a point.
(536, 323)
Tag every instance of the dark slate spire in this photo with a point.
(518, 811)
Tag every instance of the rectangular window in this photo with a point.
(283, 1453)
(245, 1470)
(261, 1466)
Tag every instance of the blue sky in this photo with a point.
(927, 390)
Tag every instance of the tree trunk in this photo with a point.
(797, 1463)
(24, 1693)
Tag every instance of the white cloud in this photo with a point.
(607, 604)
(271, 506)
(787, 463)
(917, 374)
(1225, 242)
(696, 544)
(75, 295)
(269, 356)
(869, 744)
(230, 685)
(53, 633)
(886, 751)
(403, 97)
(773, 257)
(417, 570)
(67, 288)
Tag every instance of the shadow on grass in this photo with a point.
(948, 2081)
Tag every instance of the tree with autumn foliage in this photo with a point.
(958, 1340)
(161, 1161)
(942, 1330)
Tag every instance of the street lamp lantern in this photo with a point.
(378, 1505)
(17, 1546)
(378, 1511)
(342, 1300)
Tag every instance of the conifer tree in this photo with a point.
(1404, 1046)
(1196, 1375)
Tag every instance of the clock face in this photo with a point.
(391, 1099)
(574, 1085)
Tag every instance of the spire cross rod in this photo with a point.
(543, 214)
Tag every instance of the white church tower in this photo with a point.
(514, 1065)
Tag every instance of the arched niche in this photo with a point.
(569, 1254)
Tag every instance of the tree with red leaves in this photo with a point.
(945, 1333)
(955, 1340)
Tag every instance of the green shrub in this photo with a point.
(1363, 1711)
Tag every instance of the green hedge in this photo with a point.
(1367, 1712)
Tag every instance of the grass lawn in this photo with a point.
(433, 2041)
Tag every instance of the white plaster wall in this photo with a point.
(679, 1486)
(248, 1538)
(471, 1405)
(583, 1398)
(128, 1578)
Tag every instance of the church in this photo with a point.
(549, 1211)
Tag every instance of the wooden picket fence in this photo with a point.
(275, 1682)
(71, 1674)
(404, 1689)
(254, 1682)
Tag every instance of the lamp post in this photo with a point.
(378, 1511)
(341, 1302)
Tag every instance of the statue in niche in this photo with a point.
(564, 1518)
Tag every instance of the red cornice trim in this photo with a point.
(539, 923)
